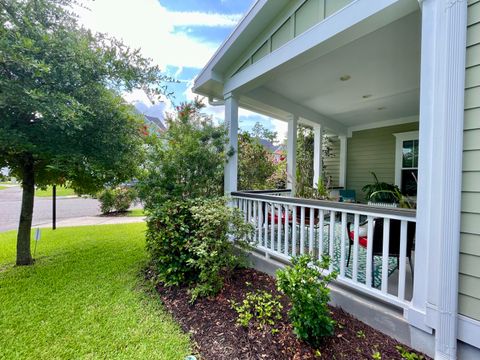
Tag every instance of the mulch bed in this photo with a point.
(213, 328)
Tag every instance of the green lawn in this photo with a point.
(136, 213)
(83, 299)
(2, 187)
(61, 191)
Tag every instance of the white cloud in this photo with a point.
(146, 24)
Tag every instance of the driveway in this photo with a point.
(67, 208)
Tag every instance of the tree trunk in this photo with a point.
(24, 256)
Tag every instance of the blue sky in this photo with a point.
(178, 35)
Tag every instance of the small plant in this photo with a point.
(405, 354)
(361, 334)
(377, 356)
(307, 288)
(259, 307)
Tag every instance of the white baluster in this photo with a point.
(259, 222)
(272, 228)
(332, 239)
(265, 220)
(279, 229)
(294, 231)
(321, 222)
(311, 233)
(342, 244)
(355, 247)
(286, 227)
(403, 257)
(386, 244)
(369, 252)
(302, 230)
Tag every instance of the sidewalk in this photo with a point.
(92, 220)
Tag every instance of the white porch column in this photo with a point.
(292, 153)
(342, 178)
(440, 172)
(231, 121)
(317, 155)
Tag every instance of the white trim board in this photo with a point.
(384, 123)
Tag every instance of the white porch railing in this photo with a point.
(286, 227)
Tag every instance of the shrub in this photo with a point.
(260, 307)
(118, 199)
(214, 255)
(170, 228)
(189, 243)
(106, 198)
(308, 292)
(185, 162)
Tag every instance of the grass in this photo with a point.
(61, 191)
(83, 299)
(136, 213)
(2, 187)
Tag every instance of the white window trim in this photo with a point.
(400, 138)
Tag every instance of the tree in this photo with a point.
(305, 154)
(61, 116)
(185, 162)
(255, 165)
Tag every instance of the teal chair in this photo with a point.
(348, 196)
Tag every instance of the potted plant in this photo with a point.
(381, 193)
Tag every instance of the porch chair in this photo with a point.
(394, 240)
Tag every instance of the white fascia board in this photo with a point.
(206, 72)
(278, 101)
(345, 18)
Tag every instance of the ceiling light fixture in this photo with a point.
(366, 96)
(381, 108)
(345, 77)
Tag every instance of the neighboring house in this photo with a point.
(396, 84)
(154, 124)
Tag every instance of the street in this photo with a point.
(67, 208)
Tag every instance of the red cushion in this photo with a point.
(362, 240)
(275, 218)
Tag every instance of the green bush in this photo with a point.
(170, 228)
(307, 289)
(189, 243)
(118, 199)
(259, 307)
(215, 256)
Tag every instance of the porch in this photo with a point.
(286, 226)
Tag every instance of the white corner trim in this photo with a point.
(383, 123)
(444, 27)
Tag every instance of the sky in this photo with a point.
(178, 35)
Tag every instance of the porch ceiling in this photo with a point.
(384, 78)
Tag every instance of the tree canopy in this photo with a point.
(62, 118)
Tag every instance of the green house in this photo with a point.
(395, 84)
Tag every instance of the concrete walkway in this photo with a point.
(93, 220)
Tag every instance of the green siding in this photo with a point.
(372, 150)
(282, 35)
(332, 163)
(308, 15)
(261, 52)
(332, 6)
(469, 277)
(297, 17)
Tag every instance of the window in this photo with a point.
(406, 162)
